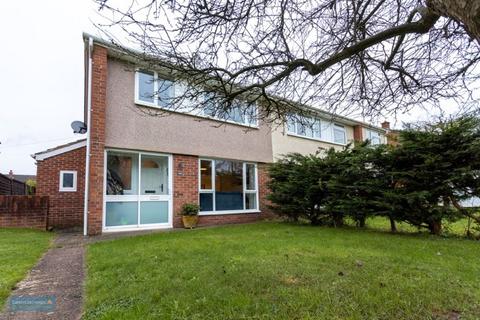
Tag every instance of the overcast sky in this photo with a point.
(41, 77)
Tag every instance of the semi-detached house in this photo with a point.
(141, 169)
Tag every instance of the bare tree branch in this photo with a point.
(358, 58)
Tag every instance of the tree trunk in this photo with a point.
(466, 12)
(338, 221)
(314, 221)
(393, 225)
(361, 222)
(435, 227)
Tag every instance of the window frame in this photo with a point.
(339, 127)
(250, 122)
(319, 122)
(138, 197)
(74, 184)
(244, 190)
(153, 104)
(370, 139)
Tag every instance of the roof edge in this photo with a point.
(116, 51)
(42, 155)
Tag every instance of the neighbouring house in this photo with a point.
(142, 169)
(391, 135)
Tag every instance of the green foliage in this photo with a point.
(31, 186)
(359, 181)
(298, 185)
(422, 181)
(31, 183)
(436, 167)
(190, 209)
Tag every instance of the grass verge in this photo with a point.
(19, 251)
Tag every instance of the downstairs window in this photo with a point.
(227, 186)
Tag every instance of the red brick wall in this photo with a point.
(228, 219)
(357, 133)
(66, 208)
(263, 179)
(97, 139)
(185, 184)
(23, 211)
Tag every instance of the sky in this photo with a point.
(41, 78)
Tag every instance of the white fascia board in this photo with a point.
(56, 152)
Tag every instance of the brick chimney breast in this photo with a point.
(386, 125)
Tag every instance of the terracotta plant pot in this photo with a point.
(189, 222)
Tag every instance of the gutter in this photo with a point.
(89, 116)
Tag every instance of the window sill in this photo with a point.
(220, 213)
(315, 139)
(191, 114)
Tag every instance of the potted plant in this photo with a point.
(190, 215)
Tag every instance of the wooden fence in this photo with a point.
(11, 186)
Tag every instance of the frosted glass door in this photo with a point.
(153, 212)
(137, 192)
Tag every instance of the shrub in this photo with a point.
(422, 181)
(190, 209)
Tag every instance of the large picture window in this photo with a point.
(227, 186)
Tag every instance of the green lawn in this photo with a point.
(283, 271)
(19, 251)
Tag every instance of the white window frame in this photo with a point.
(370, 133)
(250, 191)
(212, 177)
(68, 189)
(249, 122)
(244, 186)
(153, 104)
(321, 137)
(339, 127)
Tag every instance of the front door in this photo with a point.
(138, 190)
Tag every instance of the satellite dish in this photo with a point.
(79, 127)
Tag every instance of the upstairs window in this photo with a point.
(145, 86)
(305, 127)
(339, 134)
(240, 111)
(154, 89)
(374, 137)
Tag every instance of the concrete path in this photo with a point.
(60, 273)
